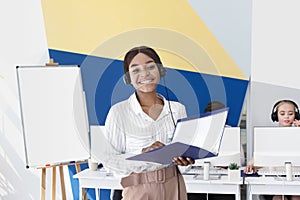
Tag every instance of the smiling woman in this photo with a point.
(142, 123)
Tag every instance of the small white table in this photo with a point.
(219, 186)
(271, 186)
(97, 179)
(100, 179)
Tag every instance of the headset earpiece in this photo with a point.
(297, 114)
(126, 78)
(274, 116)
(162, 70)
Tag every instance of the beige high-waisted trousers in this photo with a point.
(162, 184)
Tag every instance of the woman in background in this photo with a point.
(286, 113)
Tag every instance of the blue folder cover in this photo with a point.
(164, 155)
(194, 137)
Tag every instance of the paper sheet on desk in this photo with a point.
(197, 138)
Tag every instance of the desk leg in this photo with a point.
(237, 196)
(43, 184)
(62, 183)
(249, 193)
(82, 192)
(238, 193)
(97, 193)
(53, 182)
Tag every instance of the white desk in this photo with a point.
(99, 179)
(271, 185)
(221, 186)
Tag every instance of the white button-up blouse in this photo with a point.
(129, 129)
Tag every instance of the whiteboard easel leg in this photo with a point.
(43, 184)
(62, 183)
(53, 182)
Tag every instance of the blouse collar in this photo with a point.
(137, 109)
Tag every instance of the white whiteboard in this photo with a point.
(54, 118)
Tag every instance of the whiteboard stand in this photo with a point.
(53, 113)
(62, 180)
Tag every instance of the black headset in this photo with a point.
(274, 116)
(161, 69)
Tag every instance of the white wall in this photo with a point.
(276, 42)
(23, 42)
(275, 59)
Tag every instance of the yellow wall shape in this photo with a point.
(110, 28)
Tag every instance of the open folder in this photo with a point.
(197, 138)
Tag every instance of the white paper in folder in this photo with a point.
(196, 138)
